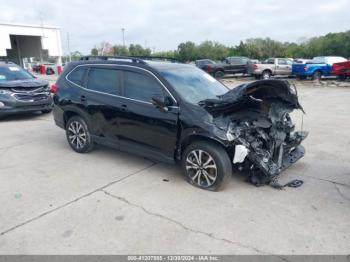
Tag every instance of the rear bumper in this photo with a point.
(58, 116)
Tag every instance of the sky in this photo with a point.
(163, 24)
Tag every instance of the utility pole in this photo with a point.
(123, 29)
(68, 47)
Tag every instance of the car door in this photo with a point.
(142, 126)
(282, 67)
(238, 65)
(101, 101)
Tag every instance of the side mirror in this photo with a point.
(160, 103)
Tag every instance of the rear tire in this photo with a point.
(78, 135)
(316, 75)
(206, 165)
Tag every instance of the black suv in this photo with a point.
(176, 113)
(22, 92)
(231, 65)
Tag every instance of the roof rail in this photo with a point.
(161, 58)
(134, 59)
(105, 58)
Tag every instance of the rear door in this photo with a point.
(283, 67)
(237, 65)
(142, 126)
(101, 100)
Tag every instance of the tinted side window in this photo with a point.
(236, 61)
(77, 75)
(104, 80)
(141, 87)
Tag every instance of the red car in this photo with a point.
(342, 70)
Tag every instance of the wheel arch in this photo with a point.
(70, 112)
(190, 139)
(219, 70)
(267, 70)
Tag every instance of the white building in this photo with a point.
(21, 43)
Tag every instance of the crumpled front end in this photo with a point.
(260, 127)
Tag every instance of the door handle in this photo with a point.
(124, 108)
(82, 98)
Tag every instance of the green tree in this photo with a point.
(120, 50)
(94, 51)
(212, 50)
(138, 50)
(75, 56)
(187, 51)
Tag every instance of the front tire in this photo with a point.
(78, 135)
(266, 74)
(219, 74)
(342, 77)
(206, 165)
(46, 111)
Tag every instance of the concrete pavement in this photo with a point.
(55, 201)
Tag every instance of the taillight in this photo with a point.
(255, 66)
(305, 68)
(54, 88)
(209, 68)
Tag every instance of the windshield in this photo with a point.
(13, 72)
(192, 84)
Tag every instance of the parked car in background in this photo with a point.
(301, 60)
(202, 63)
(342, 70)
(49, 68)
(254, 61)
(22, 92)
(271, 67)
(231, 65)
(316, 68)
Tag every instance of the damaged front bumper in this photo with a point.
(286, 155)
(260, 127)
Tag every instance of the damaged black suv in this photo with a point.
(176, 113)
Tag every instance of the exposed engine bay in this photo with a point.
(257, 119)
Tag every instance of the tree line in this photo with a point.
(259, 48)
(108, 49)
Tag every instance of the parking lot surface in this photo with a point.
(55, 201)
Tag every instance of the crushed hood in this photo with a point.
(258, 91)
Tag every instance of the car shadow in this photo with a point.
(22, 117)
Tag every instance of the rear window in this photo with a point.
(77, 76)
(104, 80)
(13, 72)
